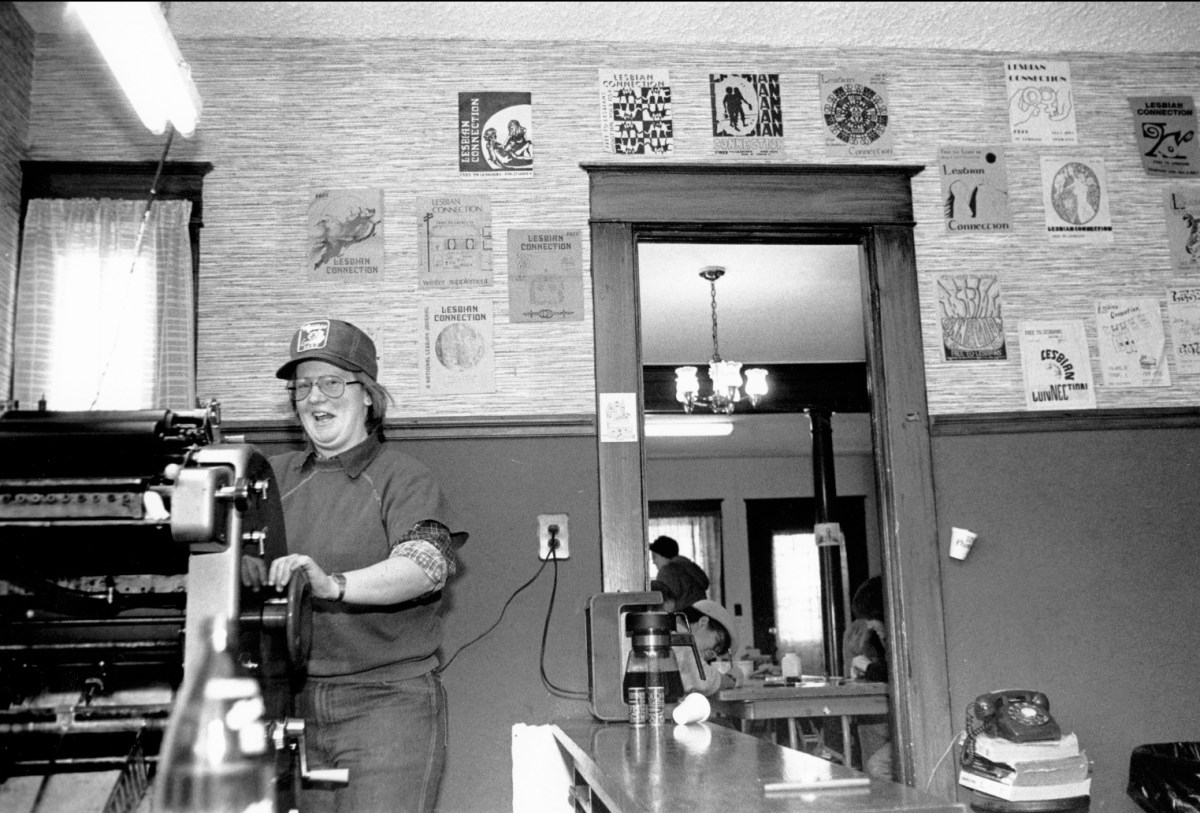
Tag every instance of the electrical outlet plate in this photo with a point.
(544, 522)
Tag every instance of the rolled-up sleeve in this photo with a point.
(429, 545)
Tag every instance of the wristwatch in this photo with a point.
(341, 583)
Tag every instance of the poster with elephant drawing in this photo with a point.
(970, 318)
(345, 235)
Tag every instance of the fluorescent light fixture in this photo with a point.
(687, 429)
(137, 45)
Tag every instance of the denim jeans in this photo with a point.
(391, 735)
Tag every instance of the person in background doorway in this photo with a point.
(713, 630)
(864, 652)
(370, 528)
(681, 581)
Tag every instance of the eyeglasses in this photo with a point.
(330, 385)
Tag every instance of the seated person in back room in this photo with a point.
(681, 581)
(864, 653)
(713, 629)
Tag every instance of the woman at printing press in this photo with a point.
(370, 527)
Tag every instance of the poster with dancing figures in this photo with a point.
(747, 114)
(970, 317)
(454, 241)
(974, 190)
(545, 275)
(457, 353)
(1041, 109)
(1075, 197)
(1181, 205)
(1165, 128)
(1056, 365)
(345, 235)
(635, 112)
(854, 104)
(1133, 343)
(495, 135)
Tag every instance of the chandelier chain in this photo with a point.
(716, 348)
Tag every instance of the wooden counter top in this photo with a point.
(684, 769)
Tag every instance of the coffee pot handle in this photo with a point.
(687, 639)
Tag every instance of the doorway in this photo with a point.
(868, 205)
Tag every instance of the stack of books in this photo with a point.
(1028, 771)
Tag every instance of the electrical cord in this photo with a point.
(941, 759)
(571, 694)
(480, 636)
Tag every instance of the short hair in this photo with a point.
(868, 600)
(665, 546)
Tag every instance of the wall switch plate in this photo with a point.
(544, 522)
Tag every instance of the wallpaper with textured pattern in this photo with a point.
(284, 118)
(16, 77)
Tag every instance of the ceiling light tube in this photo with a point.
(136, 42)
(687, 429)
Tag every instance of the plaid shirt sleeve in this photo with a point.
(428, 544)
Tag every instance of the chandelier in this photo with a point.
(726, 376)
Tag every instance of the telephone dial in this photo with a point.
(1019, 715)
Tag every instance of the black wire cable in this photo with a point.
(572, 694)
(478, 637)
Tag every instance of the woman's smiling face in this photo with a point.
(333, 424)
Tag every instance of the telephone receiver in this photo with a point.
(1019, 715)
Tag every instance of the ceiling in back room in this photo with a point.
(1021, 27)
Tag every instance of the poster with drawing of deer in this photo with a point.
(345, 234)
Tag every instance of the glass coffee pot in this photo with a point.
(651, 661)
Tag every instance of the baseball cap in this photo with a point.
(718, 613)
(335, 341)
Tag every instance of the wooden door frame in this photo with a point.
(874, 203)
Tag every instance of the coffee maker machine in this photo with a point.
(624, 630)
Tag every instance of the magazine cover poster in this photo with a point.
(970, 318)
(345, 234)
(1133, 343)
(747, 114)
(1181, 205)
(635, 112)
(1183, 313)
(454, 241)
(974, 189)
(1075, 198)
(1056, 366)
(1165, 128)
(495, 134)
(1041, 109)
(854, 105)
(457, 352)
(545, 275)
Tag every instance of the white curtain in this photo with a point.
(94, 329)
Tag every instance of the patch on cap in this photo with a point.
(312, 336)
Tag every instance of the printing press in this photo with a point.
(121, 532)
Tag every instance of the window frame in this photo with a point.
(129, 180)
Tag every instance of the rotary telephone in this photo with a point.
(1019, 715)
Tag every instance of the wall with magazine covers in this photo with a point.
(283, 119)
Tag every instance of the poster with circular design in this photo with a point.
(1075, 198)
(458, 346)
(855, 111)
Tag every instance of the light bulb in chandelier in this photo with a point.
(725, 376)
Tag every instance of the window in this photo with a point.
(95, 329)
(796, 587)
(696, 526)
